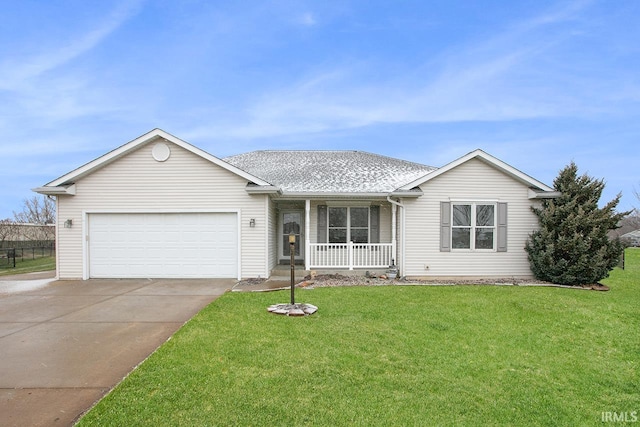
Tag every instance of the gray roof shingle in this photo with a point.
(329, 171)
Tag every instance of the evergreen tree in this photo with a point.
(572, 247)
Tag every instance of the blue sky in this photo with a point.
(537, 84)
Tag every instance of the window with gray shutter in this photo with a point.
(322, 224)
(473, 226)
(445, 227)
(374, 227)
(502, 227)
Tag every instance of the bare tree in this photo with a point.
(37, 210)
(635, 214)
(7, 231)
(40, 213)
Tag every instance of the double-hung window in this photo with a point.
(473, 226)
(348, 224)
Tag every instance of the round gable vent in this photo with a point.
(161, 152)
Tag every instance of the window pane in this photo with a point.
(359, 235)
(359, 217)
(462, 215)
(485, 215)
(337, 217)
(338, 235)
(484, 238)
(461, 238)
(289, 227)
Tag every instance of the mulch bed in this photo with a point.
(334, 280)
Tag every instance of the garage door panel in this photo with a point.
(163, 245)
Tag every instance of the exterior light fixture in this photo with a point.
(252, 222)
(68, 223)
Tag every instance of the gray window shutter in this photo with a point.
(374, 225)
(322, 224)
(445, 227)
(502, 228)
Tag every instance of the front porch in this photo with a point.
(349, 255)
(282, 273)
(338, 235)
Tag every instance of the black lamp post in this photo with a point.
(292, 247)
(293, 309)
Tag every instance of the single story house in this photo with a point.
(159, 207)
(631, 238)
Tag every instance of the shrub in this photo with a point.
(572, 247)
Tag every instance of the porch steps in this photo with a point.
(283, 272)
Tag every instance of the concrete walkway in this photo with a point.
(64, 344)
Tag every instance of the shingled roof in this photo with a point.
(330, 172)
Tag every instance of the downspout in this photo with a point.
(395, 231)
(267, 237)
(55, 199)
(307, 234)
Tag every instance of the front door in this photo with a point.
(291, 221)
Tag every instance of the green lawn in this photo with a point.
(28, 265)
(413, 355)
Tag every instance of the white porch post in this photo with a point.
(394, 231)
(307, 234)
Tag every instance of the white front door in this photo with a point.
(292, 221)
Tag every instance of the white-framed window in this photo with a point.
(473, 226)
(348, 224)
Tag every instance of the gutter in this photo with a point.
(262, 189)
(56, 190)
(533, 194)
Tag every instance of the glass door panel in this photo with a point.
(292, 222)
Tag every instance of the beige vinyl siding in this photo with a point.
(272, 235)
(184, 182)
(470, 181)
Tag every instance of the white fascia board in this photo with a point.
(407, 193)
(325, 195)
(487, 158)
(263, 189)
(544, 194)
(56, 191)
(144, 139)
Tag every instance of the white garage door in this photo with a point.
(167, 245)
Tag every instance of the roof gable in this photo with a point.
(308, 173)
(67, 180)
(489, 159)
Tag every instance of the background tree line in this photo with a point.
(33, 225)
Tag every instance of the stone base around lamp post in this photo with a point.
(292, 309)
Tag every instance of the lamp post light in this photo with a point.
(292, 309)
(292, 247)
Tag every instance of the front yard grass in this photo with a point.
(46, 263)
(396, 355)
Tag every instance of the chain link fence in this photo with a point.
(10, 256)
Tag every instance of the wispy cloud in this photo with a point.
(17, 71)
(493, 80)
(307, 19)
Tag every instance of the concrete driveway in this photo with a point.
(64, 344)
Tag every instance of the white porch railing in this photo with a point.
(350, 255)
